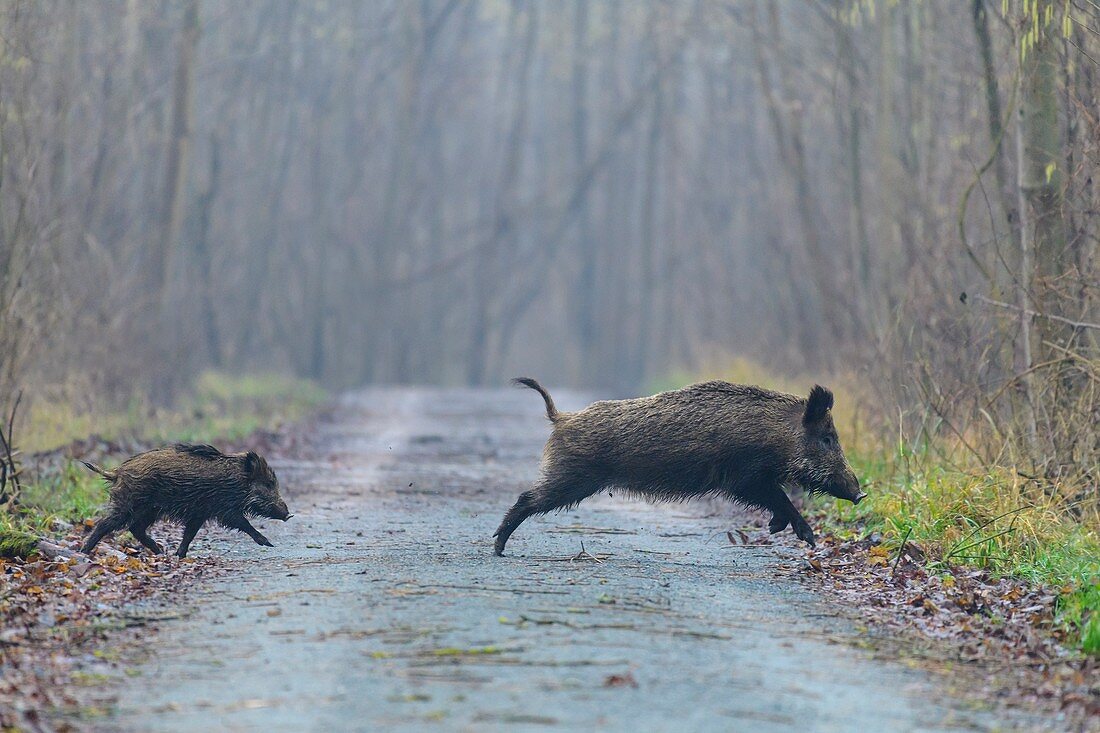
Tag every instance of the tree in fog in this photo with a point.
(598, 192)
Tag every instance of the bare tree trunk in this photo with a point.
(503, 224)
(647, 290)
(862, 243)
(787, 127)
(996, 128)
(1041, 165)
(1023, 295)
(584, 299)
(204, 256)
(179, 143)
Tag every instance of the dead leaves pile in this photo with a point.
(55, 613)
(1002, 630)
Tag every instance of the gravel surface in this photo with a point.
(382, 605)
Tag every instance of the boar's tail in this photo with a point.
(108, 475)
(551, 411)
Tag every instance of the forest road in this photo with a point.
(381, 605)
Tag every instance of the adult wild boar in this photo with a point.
(190, 484)
(714, 438)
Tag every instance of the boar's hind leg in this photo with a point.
(109, 524)
(189, 531)
(515, 516)
(545, 497)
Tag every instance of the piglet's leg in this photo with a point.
(139, 528)
(189, 532)
(242, 524)
(141, 534)
(107, 525)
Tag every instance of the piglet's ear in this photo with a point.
(818, 405)
(252, 463)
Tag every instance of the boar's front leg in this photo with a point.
(239, 522)
(783, 512)
(778, 523)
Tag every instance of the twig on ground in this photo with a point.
(901, 550)
(585, 555)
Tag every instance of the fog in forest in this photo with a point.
(599, 193)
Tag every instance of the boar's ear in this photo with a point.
(818, 405)
(252, 463)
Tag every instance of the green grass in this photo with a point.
(1079, 612)
(988, 519)
(15, 542)
(70, 496)
(220, 407)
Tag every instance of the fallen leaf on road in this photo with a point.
(620, 680)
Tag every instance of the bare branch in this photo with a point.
(1037, 314)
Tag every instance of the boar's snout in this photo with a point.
(274, 510)
(848, 488)
(282, 512)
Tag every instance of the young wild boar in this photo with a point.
(714, 438)
(189, 484)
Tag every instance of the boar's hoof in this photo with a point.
(778, 524)
(804, 533)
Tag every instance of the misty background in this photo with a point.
(595, 192)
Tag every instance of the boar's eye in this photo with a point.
(828, 441)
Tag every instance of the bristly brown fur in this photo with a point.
(715, 438)
(190, 484)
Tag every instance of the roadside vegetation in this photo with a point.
(987, 518)
(929, 490)
(57, 491)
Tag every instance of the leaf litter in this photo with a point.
(55, 612)
(996, 635)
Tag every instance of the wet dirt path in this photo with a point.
(382, 606)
